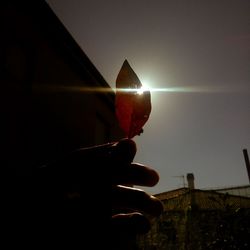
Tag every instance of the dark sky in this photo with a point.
(201, 49)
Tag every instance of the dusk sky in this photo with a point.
(198, 49)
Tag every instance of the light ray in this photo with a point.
(191, 89)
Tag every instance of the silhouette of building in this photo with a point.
(44, 78)
(201, 219)
(50, 107)
(238, 190)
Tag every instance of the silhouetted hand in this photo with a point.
(89, 192)
(134, 202)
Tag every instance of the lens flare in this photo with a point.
(140, 91)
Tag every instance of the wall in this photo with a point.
(42, 73)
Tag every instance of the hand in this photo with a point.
(126, 174)
(83, 192)
(135, 202)
(130, 207)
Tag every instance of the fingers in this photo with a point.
(116, 153)
(135, 174)
(123, 172)
(123, 151)
(135, 200)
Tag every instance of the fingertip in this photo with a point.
(154, 178)
(127, 143)
(125, 149)
(157, 206)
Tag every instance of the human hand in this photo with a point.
(78, 183)
(137, 204)
(126, 174)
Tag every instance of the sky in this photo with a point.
(198, 49)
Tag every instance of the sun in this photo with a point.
(141, 90)
(145, 87)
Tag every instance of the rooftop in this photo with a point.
(186, 198)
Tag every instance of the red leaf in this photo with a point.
(132, 108)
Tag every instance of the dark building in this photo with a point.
(50, 107)
(43, 75)
(196, 219)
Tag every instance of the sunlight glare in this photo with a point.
(140, 91)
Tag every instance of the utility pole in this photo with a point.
(247, 162)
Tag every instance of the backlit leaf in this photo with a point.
(133, 107)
